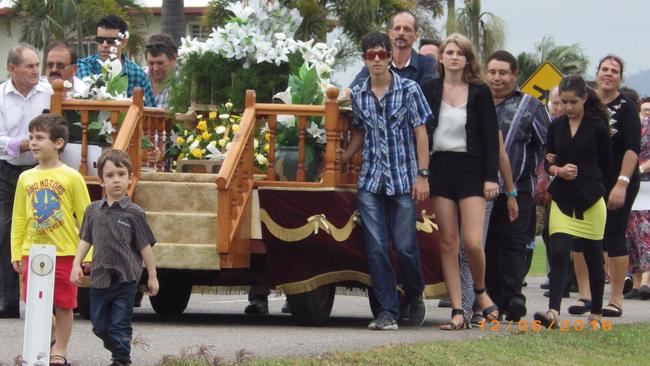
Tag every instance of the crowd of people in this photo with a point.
(434, 125)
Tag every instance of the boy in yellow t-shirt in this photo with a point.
(48, 209)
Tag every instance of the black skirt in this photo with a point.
(456, 175)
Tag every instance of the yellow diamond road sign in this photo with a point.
(543, 80)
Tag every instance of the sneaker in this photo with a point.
(383, 322)
(257, 307)
(644, 292)
(627, 286)
(417, 311)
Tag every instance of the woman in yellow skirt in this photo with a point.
(578, 156)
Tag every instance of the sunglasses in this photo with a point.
(108, 40)
(58, 65)
(156, 46)
(370, 55)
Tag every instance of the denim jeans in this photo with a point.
(111, 310)
(386, 218)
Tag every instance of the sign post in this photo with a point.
(542, 81)
(40, 297)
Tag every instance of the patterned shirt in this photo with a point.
(419, 68)
(524, 122)
(118, 233)
(91, 66)
(389, 162)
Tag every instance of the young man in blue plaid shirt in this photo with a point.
(109, 29)
(389, 123)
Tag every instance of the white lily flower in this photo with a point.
(317, 133)
(194, 144)
(215, 153)
(284, 96)
(286, 121)
(220, 130)
(67, 84)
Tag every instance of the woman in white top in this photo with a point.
(464, 142)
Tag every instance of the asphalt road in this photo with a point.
(218, 322)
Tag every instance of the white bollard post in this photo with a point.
(40, 298)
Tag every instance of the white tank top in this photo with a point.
(450, 134)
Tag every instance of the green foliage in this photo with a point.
(569, 59)
(484, 29)
(304, 87)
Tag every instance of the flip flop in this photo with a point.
(58, 358)
(612, 313)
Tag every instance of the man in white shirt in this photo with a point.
(61, 64)
(22, 97)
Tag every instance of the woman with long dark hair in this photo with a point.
(578, 157)
(464, 140)
(621, 182)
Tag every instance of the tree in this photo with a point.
(484, 29)
(172, 19)
(450, 27)
(45, 21)
(569, 59)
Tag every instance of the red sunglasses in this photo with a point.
(370, 55)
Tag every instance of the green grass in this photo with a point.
(538, 267)
(623, 345)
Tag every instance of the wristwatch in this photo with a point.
(423, 173)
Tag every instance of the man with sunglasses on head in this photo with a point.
(161, 58)
(62, 64)
(389, 115)
(406, 62)
(109, 29)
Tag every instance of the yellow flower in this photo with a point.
(228, 105)
(205, 136)
(202, 125)
(212, 115)
(266, 148)
(222, 142)
(267, 136)
(197, 153)
(234, 128)
(180, 140)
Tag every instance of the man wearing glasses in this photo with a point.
(62, 64)
(161, 58)
(389, 115)
(109, 30)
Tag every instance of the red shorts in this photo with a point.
(65, 292)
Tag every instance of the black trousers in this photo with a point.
(505, 250)
(9, 285)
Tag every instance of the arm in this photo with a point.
(506, 173)
(487, 116)
(149, 99)
(632, 141)
(81, 201)
(421, 187)
(18, 226)
(150, 264)
(77, 271)
(356, 142)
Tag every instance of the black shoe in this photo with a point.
(9, 312)
(644, 292)
(545, 285)
(627, 286)
(444, 303)
(383, 322)
(524, 284)
(257, 307)
(137, 301)
(286, 309)
(633, 294)
(565, 295)
(417, 311)
(516, 309)
(580, 309)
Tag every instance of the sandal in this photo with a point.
(580, 309)
(549, 318)
(488, 311)
(596, 324)
(58, 358)
(455, 326)
(613, 313)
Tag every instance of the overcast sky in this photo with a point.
(600, 26)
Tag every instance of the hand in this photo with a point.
(24, 145)
(87, 267)
(340, 159)
(420, 190)
(76, 275)
(490, 190)
(617, 196)
(513, 209)
(550, 158)
(18, 266)
(568, 172)
(152, 286)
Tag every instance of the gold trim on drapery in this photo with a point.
(313, 225)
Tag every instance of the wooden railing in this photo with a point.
(126, 137)
(235, 178)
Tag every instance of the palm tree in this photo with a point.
(172, 19)
(44, 21)
(450, 27)
(484, 29)
(569, 59)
